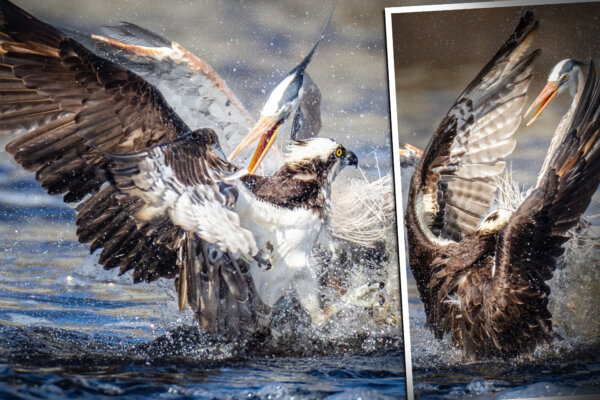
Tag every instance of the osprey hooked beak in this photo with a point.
(350, 159)
(541, 102)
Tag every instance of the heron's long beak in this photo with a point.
(267, 128)
(543, 99)
(262, 126)
(263, 147)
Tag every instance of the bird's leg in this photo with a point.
(307, 288)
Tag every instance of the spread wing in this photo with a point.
(531, 240)
(453, 185)
(191, 86)
(72, 106)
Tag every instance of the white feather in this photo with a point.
(306, 151)
(288, 236)
(555, 73)
(271, 107)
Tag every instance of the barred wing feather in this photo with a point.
(454, 182)
(190, 84)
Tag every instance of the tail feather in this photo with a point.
(219, 289)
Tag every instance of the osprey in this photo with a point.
(157, 196)
(482, 275)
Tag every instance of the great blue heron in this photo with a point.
(283, 101)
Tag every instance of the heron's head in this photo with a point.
(565, 74)
(280, 104)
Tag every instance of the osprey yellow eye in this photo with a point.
(339, 152)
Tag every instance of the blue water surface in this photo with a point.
(55, 363)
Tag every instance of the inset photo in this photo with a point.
(497, 108)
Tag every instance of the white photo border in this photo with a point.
(389, 11)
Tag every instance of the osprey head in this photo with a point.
(320, 158)
(494, 221)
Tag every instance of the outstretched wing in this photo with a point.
(191, 85)
(71, 107)
(531, 240)
(453, 185)
(193, 88)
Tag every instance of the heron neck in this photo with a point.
(575, 92)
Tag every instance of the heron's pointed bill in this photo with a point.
(543, 99)
(262, 126)
(266, 128)
(265, 143)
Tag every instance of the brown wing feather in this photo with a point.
(65, 98)
(457, 285)
(452, 186)
(490, 290)
(187, 182)
(454, 182)
(70, 106)
(219, 288)
(192, 87)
